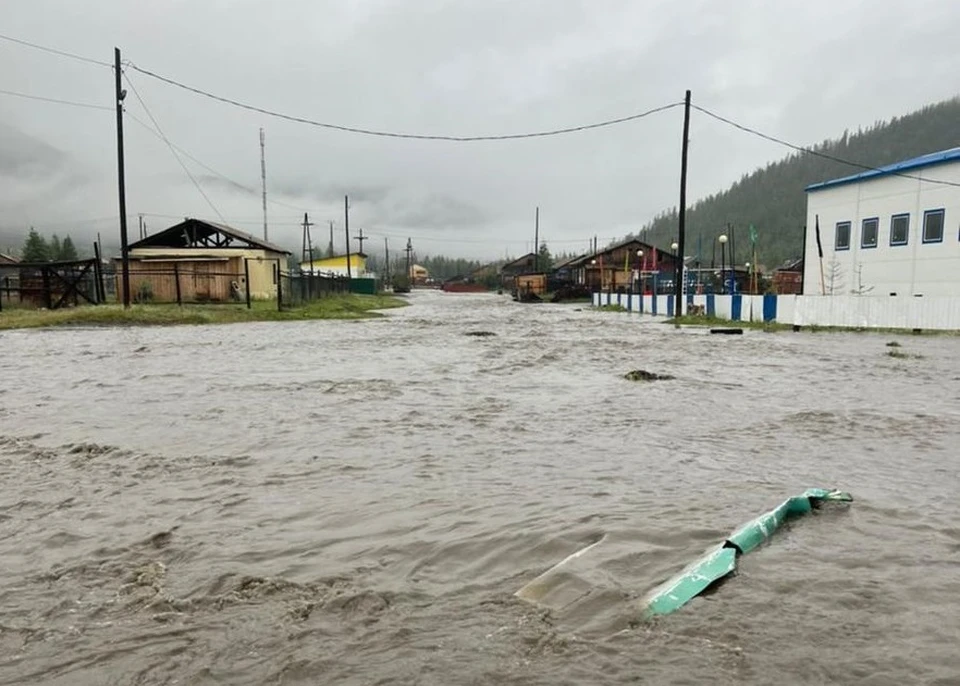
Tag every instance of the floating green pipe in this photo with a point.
(722, 560)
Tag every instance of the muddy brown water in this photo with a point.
(356, 502)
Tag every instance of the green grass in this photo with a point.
(702, 320)
(695, 320)
(612, 308)
(332, 307)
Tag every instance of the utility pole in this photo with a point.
(681, 232)
(121, 182)
(408, 250)
(536, 242)
(386, 260)
(330, 249)
(263, 180)
(140, 217)
(361, 238)
(307, 244)
(346, 229)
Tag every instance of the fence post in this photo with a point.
(98, 275)
(246, 277)
(6, 280)
(279, 287)
(47, 295)
(176, 277)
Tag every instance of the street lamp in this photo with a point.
(675, 247)
(640, 272)
(593, 263)
(749, 279)
(723, 261)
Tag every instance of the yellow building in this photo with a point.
(337, 265)
(199, 261)
(418, 274)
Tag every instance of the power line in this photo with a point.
(54, 51)
(173, 151)
(390, 134)
(213, 171)
(56, 100)
(817, 153)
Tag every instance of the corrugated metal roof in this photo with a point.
(928, 160)
(174, 236)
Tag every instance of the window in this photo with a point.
(843, 236)
(899, 229)
(868, 232)
(933, 226)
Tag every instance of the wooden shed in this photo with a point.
(202, 261)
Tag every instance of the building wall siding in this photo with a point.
(914, 269)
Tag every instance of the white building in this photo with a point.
(888, 231)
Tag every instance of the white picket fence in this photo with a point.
(851, 311)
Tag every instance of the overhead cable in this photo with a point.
(56, 100)
(173, 151)
(208, 168)
(391, 134)
(817, 153)
(54, 51)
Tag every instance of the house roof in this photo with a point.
(8, 259)
(202, 234)
(519, 261)
(928, 160)
(791, 266)
(571, 261)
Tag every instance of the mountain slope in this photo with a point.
(773, 199)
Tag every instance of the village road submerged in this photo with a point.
(357, 502)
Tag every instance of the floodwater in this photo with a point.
(357, 502)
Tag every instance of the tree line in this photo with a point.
(37, 248)
(773, 199)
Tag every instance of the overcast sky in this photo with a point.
(803, 71)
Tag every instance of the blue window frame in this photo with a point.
(842, 241)
(869, 232)
(933, 224)
(900, 229)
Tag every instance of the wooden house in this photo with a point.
(202, 261)
(788, 279)
(629, 265)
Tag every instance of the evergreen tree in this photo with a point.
(68, 250)
(35, 248)
(545, 263)
(54, 248)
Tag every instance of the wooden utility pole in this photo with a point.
(409, 250)
(361, 238)
(307, 244)
(121, 182)
(346, 229)
(536, 241)
(263, 179)
(330, 252)
(386, 260)
(681, 227)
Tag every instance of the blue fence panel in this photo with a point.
(736, 307)
(769, 307)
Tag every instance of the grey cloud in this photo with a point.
(804, 71)
(24, 155)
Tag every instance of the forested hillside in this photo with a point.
(773, 198)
